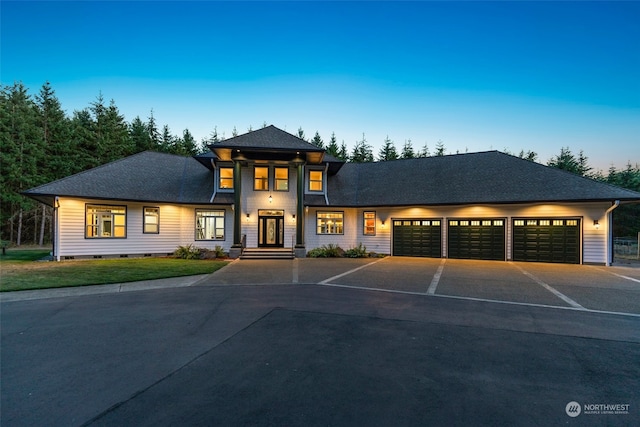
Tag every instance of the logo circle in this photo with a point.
(573, 409)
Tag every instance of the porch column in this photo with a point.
(300, 249)
(236, 248)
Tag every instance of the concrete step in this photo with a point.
(267, 253)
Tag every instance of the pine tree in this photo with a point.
(388, 151)
(154, 133)
(167, 140)
(332, 147)
(362, 152)
(343, 154)
(407, 150)
(139, 134)
(440, 148)
(424, 151)
(317, 140)
(301, 133)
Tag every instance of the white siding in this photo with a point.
(177, 227)
(593, 240)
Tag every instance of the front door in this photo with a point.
(270, 228)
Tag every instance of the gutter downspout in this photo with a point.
(56, 231)
(609, 216)
(326, 177)
(215, 187)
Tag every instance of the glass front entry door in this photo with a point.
(271, 229)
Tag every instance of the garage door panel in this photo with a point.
(476, 239)
(554, 240)
(417, 237)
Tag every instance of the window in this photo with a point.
(315, 181)
(261, 178)
(330, 222)
(572, 222)
(518, 222)
(226, 178)
(369, 226)
(104, 222)
(151, 221)
(209, 225)
(282, 179)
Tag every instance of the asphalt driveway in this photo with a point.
(394, 341)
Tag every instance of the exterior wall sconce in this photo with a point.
(306, 209)
(233, 207)
(382, 223)
(293, 218)
(596, 224)
(248, 217)
(270, 199)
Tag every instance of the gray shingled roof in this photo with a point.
(146, 176)
(487, 177)
(267, 138)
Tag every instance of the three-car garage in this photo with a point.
(556, 240)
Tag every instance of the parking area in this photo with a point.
(378, 342)
(582, 287)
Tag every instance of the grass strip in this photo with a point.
(25, 274)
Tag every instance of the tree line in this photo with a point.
(40, 143)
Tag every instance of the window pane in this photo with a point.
(105, 221)
(226, 177)
(315, 180)
(329, 223)
(369, 227)
(261, 178)
(209, 225)
(282, 179)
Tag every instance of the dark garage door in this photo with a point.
(547, 240)
(417, 237)
(476, 239)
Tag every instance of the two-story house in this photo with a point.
(270, 189)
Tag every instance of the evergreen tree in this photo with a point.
(362, 152)
(301, 133)
(440, 148)
(21, 146)
(567, 161)
(317, 140)
(407, 150)
(154, 133)
(388, 151)
(59, 150)
(332, 147)
(234, 132)
(424, 151)
(186, 146)
(139, 134)
(343, 154)
(167, 140)
(532, 156)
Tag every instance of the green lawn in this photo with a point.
(19, 271)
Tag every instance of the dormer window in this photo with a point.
(226, 178)
(316, 182)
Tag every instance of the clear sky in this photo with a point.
(476, 75)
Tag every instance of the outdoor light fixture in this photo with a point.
(382, 223)
(248, 217)
(293, 218)
(596, 224)
(270, 198)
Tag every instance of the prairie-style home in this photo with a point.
(270, 190)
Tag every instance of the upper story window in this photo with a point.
(316, 182)
(105, 222)
(261, 178)
(226, 178)
(151, 221)
(281, 179)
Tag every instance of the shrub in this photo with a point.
(220, 253)
(326, 251)
(187, 252)
(359, 251)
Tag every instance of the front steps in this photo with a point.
(267, 253)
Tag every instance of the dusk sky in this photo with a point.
(476, 75)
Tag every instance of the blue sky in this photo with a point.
(475, 75)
